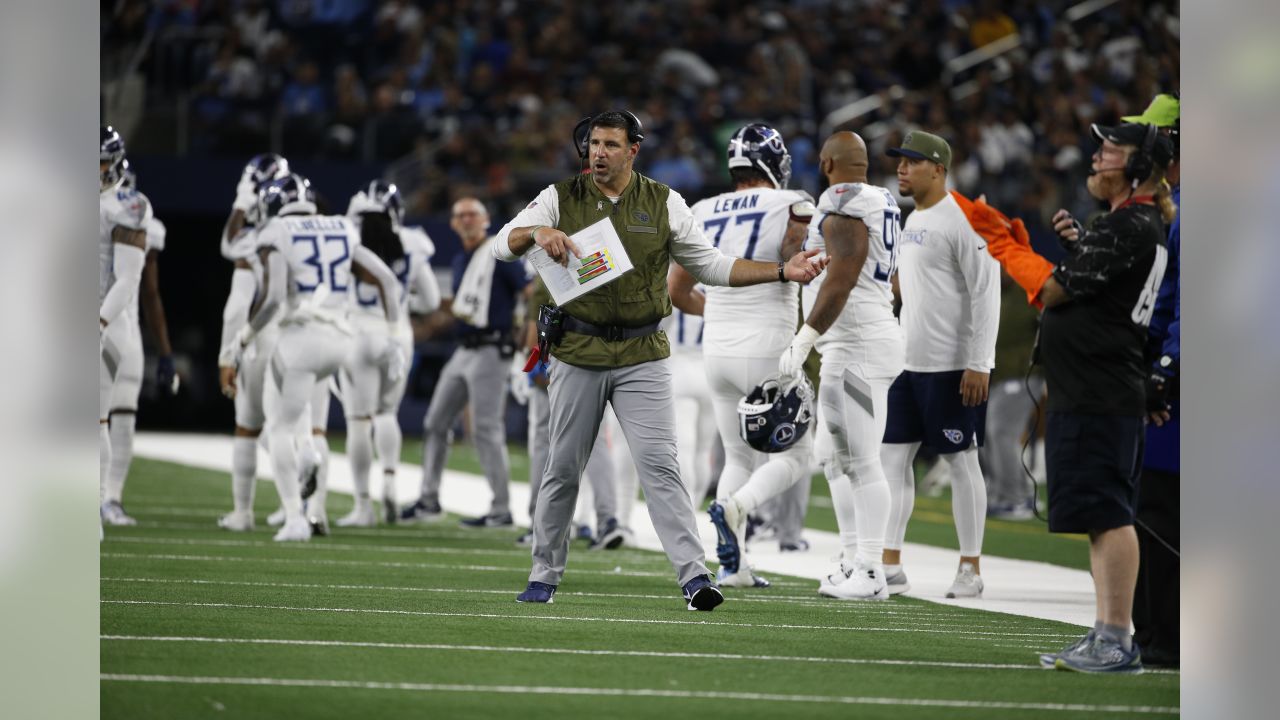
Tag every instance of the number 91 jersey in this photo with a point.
(868, 313)
(318, 250)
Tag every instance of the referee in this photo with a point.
(1097, 304)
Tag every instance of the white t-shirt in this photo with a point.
(117, 207)
(318, 251)
(950, 289)
(757, 320)
(866, 332)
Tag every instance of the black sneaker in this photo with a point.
(493, 520)
(702, 594)
(422, 512)
(526, 539)
(537, 592)
(611, 537)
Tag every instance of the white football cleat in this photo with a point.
(866, 582)
(968, 583)
(297, 529)
(840, 575)
(744, 578)
(276, 519)
(360, 516)
(112, 513)
(236, 521)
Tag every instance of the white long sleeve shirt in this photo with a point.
(688, 245)
(950, 292)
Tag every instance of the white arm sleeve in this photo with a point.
(982, 277)
(365, 258)
(275, 277)
(427, 298)
(544, 210)
(690, 247)
(127, 264)
(236, 312)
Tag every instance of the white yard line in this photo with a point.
(950, 631)
(1020, 587)
(634, 692)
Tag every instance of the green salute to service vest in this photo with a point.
(637, 298)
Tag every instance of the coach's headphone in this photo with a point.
(582, 131)
(1140, 165)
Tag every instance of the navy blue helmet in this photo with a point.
(266, 167)
(760, 146)
(128, 178)
(289, 194)
(385, 196)
(111, 154)
(774, 416)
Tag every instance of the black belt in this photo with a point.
(476, 340)
(611, 333)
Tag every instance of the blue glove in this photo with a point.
(167, 375)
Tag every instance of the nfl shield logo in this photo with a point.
(955, 436)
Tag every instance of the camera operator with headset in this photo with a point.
(1097, 302)
(608, 348)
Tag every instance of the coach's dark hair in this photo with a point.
(377, 234)
(622, 120)
(745, 175)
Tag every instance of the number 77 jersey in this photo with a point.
(868, 313)
(318, 251)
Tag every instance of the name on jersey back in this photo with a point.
(744, 202)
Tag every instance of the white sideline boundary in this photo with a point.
(1019, 587)
(632, 692)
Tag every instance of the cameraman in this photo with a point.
(1098, 302)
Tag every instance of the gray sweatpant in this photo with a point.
(641, 398)
(599, 470)
(478, 374)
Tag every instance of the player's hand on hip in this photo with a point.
(167, 375)
(805, 266)
(791, 363)
(227, 380)
(556, 244)
(973, 387)
(1067, 227)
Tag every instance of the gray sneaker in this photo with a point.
(898, 583)
(1102, 655)
(1049, 660)
(968, 583)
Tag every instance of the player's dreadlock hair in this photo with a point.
(377, 234)
(1164, 199)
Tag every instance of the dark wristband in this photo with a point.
(782, 277)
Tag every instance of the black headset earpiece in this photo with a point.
(581, 133)
(1140, 164)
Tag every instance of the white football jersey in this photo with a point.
(318, 251)
(950, 292)
(117, 207)
(867, 317)
(416, 260)
(758, 320)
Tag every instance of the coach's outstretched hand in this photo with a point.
(1009, 243)
(555, 243)
(805, 266)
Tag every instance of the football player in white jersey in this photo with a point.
(310, 263)
(245, 379)
(747, 328)
(123, 214)
(695, 423)
(371, 386)
(850, 318)
(950, 289)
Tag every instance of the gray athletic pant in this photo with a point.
(478, 374)
(1009, 412)
(642, 399)
(788, 509)
(599, 467)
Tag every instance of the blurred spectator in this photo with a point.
(990, 24)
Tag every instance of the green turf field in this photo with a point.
(421, 622)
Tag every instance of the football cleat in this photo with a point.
(112, 513)
(360, 516)
(744, 578)
(537, 592)
(276, 519)
(297, 529)
(800, 545)
(702, 594)
(422, 512)
(611, 536)
(968, 583)
(723, 514)
(492, 520)
(319, 523)
(841, 574)
(237, 521)
(866, 582)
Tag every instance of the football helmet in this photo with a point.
(385, 197)
(266, 167)
(760, 146)
(111, 154)
(289, 194)
(774, 416)
(128, 178)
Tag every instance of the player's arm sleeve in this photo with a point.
(690, 247)
(426, 297)
(1110, 247)
(365, 258)
(982, 278)
(235, 313)
(544, 210)
(275, 275)
(129, 258)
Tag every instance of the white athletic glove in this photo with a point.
(236, 351)
(396, 361)
(519, 380)
(246, 194)
(791, 363)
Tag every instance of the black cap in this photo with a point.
(1135, 134)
